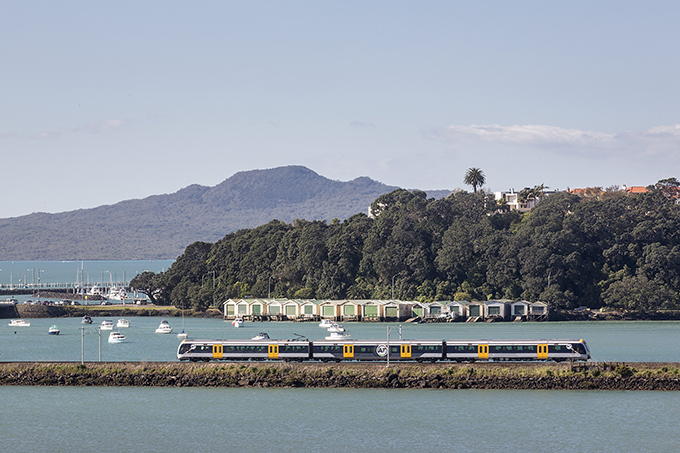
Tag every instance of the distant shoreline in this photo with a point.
(498, 376)
(47, 311)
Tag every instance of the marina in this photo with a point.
(609, 341)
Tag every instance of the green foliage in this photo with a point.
(474, 177)
(615, 252)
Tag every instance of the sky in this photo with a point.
(109, 101)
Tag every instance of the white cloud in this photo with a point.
(657, 141)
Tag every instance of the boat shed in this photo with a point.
(310, 309)
(372, 310)
(458, 308)
(257, 308)
(519, 309)
(350, 310)
(539, 311)
(330, 310)
(497, 309)
(475, 311)
(292, 309)
(230, 308)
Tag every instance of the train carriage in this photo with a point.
(423, 350)
(378, 350)
(516, 350)
(206, 350)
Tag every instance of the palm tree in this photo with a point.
(474, 177)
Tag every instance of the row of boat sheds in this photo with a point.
(384, 310)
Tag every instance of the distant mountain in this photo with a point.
(161, 226)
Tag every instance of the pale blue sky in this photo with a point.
(107, 101)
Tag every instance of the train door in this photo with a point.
(273, 351)
(348, 351)
(542, 351)
(405, 351)
(217, 351)
(483, 351)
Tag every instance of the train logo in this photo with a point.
(381, 350)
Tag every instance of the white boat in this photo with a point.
(237, 322)
(106, 325)
(96, 290)
(338, 336)
(53, 330)
(86, 320)
(117, 293)
(164, 327)
(336, 328)
(122, 322)
(116, 337)
(261, 336)
(326, 323)
(19, 323)
(8, 302)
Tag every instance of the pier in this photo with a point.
(62, 288)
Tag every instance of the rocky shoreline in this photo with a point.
(532, 376)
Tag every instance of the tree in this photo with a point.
(474, 177)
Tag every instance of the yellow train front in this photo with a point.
(377, 350)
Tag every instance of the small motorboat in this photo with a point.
(336, 328)
(326, 323)
(53, 330)
(86, 320)
(261, 336)
(19, 323)
(237, 322)
(116, 337)
(164, 327)
(122, 322)
(338, 336)
(106, 325)
(182, 335)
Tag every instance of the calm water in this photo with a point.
(633, 341)
(65, 419)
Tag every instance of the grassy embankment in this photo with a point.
(603, 376)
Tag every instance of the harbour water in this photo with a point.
(609, 341)
(87, 419)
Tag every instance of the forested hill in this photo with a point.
(161, 226)
(619, 251)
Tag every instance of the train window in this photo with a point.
(579, 348)
(183, 349)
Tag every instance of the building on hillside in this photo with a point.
(512, 199)
(587, 192)
(635, 189)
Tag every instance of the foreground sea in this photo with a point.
(301, 420)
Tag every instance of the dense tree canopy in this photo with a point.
(620, 251)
